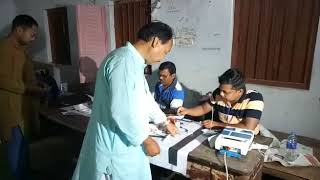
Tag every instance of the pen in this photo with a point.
(186, 120)
(185, 129)
(159, 136)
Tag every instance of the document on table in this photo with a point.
(83, 109)
(174, 150)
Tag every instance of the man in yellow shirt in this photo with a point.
(17, 88)
(231, 104)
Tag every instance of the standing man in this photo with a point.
(232, 104)
(168, 91)
(17, 88)
(117, 140)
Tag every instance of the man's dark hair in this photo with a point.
(23, 20)
(234, 77)
(155, 29)
(168, 65)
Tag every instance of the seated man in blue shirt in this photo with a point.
(168, 91)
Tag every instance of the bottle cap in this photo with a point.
(291, 145)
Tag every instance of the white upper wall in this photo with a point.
(8, 10)
(202, 51)
(285, 110)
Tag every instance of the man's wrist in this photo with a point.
(147, 140)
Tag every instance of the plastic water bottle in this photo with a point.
(291, 153)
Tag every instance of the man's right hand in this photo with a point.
(151, 147)
(181, 111)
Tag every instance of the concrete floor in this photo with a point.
(53, 158)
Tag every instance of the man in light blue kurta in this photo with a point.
(116, 143)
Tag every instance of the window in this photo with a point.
(274, 41)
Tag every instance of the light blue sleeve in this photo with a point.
(156, 115)
(122, 80)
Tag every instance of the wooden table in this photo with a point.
(203, 162)
(295, 173)
(76, 122)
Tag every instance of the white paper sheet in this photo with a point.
(162, 160)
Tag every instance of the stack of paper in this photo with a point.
(79, 109)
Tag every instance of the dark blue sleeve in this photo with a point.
(178, 94)
(156, 92)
